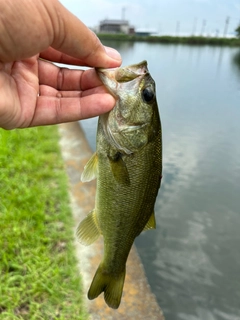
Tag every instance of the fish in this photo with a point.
(128, 167)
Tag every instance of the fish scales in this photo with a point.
(128, 168)
(134, 200)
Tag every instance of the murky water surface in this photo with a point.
(192, 259)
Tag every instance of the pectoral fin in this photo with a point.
(88, 230)
(151, 224)
(90, 169)
(119, 169)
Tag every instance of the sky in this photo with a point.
(163, 16)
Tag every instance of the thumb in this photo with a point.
(74, 38)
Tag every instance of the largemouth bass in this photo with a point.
(128, 168)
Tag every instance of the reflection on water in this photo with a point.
(236, 61)
(192, 259)
(121, 46)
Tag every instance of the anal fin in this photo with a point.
(88, 230)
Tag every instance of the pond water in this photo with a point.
(192, 259)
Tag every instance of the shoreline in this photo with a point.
(189, 40)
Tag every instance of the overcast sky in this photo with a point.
(164, 16)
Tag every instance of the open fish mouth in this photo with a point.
(114, 77)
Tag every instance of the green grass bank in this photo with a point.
(38, 268)
(192, 40)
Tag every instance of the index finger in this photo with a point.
(54, 55)
(67, 79)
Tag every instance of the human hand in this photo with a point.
(34, 91)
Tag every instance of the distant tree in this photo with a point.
(238, 31)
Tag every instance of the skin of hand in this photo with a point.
(33, 90)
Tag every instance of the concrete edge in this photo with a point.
(138, 302)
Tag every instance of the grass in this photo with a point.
(191, 40)
(39, 278)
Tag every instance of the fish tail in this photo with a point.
(110, 284)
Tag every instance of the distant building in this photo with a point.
(114, 26)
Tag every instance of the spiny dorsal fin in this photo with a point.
(90, 169)
(151, 224)
(119, 169)
(88, 230)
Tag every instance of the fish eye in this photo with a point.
(148, 94)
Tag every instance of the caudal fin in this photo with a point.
(110, 284)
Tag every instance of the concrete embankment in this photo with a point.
(138, 302)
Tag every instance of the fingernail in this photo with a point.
(112, 53)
